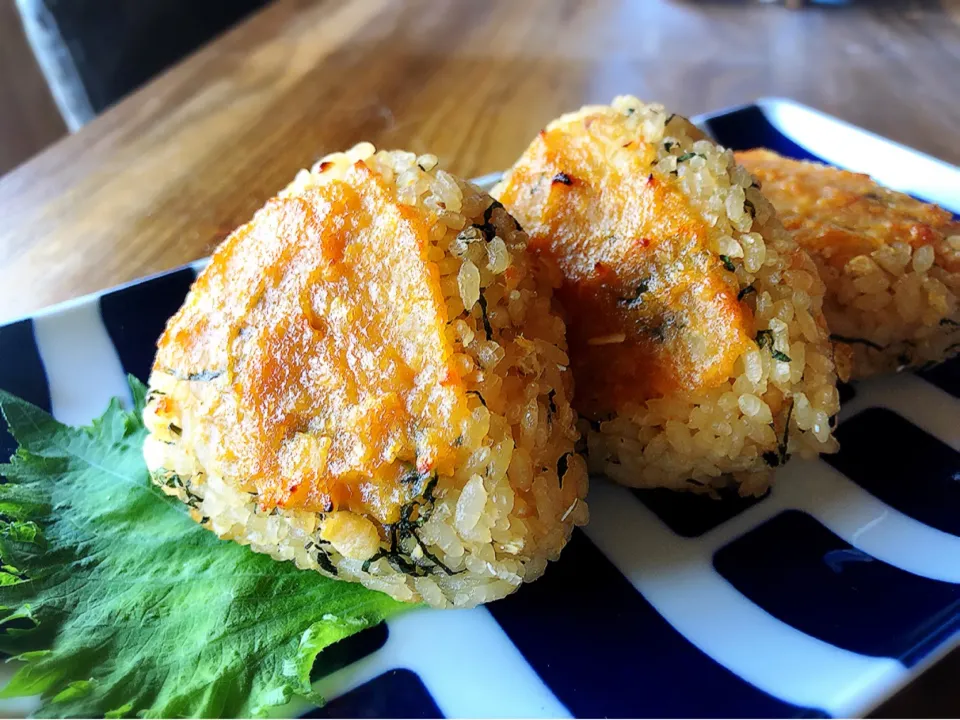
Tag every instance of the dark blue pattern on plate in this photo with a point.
(350, 650)
(604, 651)
(747, 128)
(691, 515)
(136, 315)
(21, 373)
(945, 376)
(902, 465)
(395, 694)
(801, 573)
(847, 392)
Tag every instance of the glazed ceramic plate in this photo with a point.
(821, 598)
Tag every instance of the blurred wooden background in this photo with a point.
(883, 64)
(160, 178)
(29, 119)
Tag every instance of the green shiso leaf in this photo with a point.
(120, 605)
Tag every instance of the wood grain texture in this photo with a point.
(159, 179)
(162, 177)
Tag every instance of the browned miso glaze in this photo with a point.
(328, 320)
(640, 287)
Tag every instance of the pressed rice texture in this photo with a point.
(370, 380)
(891, 263)
(696, 334)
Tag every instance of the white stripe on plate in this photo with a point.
(19, 707)
(83, 370)
(889, 163)
(922, 403)
(677, 577)
(467, 663)
(866, 522)
(486, 182)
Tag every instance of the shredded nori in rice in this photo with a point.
(169, 479)
(746, 291)
(784, 455)
(487, 228)
(202, 376)
(487, 232)
(765, 340)
(562, 464)
(728, 263)
(402, 532)
(683, 158)
(323, 560)
(637, 299)
(433, 558)
(173, 480)
(479, 396)
(483, 312)
(669, 324)
(412, 475)
(471, 233)
(775, 459)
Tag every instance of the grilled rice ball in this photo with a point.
(891, 264)
(696, 335)
(369, 380)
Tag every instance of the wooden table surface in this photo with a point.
(158, 180)
(162, 177)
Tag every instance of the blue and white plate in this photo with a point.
(820, 599)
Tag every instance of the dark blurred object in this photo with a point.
(800, 4)
(29, 119)
(93, 52)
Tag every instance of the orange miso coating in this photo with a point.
(838, 215)
(321, 322)
(649, 309)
